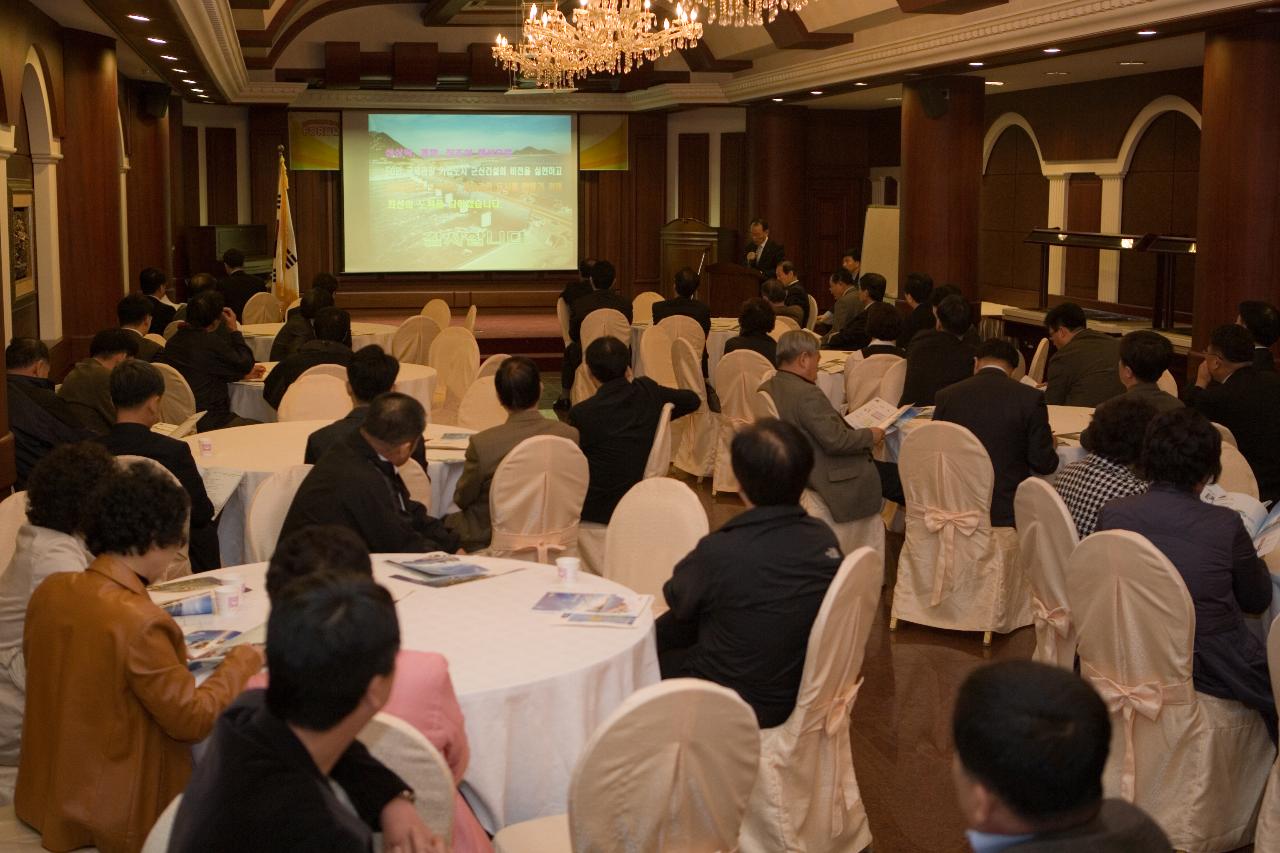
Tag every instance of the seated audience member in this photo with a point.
(1144, 357)
(1263, 322)
(134, 315)
(919, 290)
(847, 304)
(370, 373)
(1245, 400)
(884, 328)
(109, 695)
(1210, 548)
(1031, 744)
(325, 281)
(851, 262)
(39, 419)
(297, 330)
(266, 780)
(1009, 418)
(844, 474)
(853, 335)
(796, 295)
(209, 352)
(603, 296)
(238, 286)
(152, 281)
(938, 358)
(198, 283)
(776, 295)
(356, 485)
(136, 389)
(1114, 441)
(684, 304)
(519, 389)
(333, 326)
(1082, 371)
(616, 426)
(581, 286)
(744, 600)
(755, 322)
(50, 541)
(936, 297)
(87, 387)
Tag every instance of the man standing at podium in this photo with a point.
(763, 254)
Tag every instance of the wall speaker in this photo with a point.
(934, 98)
(153, 101)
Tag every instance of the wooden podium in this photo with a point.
(695, 244)
(727, 286)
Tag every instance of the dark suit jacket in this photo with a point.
(87, 390)
(1150, 393)
(919, 320)
(1263, 359)
(935, 359)
(308, 355)
(161, 315)
(685, 306)
(574, 290)
(1248, 404)
(883, 349)
(767, 260)
(208, 361)
(319, 442)
(584, 305)
(1119, 827)
(237, 288)
(147, 350)
(1085, 372)
(762, 344)
(799, 297)
(615, 430)
(853, 335)
(295, 332)
(40, 420)
(1012, 422)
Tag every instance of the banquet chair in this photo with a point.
(1021, 369)
(806, 796)
(1227, 436)
(1167, 383)
(861, 532)
(13, 514)
(738, 376)
(261, 308)
(480, 408)
(406, 752)
(267, 509)
(682, 328)
(158, 838)
(1195, 763)
(437, 310)
(412, 341)
(536, 497)
(180, 566)
(178, 402)
(469, 321)
(1046, 538)
(693, 437)
(1236, 475)
(416, 481)
(671, 769)
(1268, 836)
(765, 406)
(783, 324)
(294, 304)
(813, 313)
(158, 340)
(455, 355)
(490, 365)
(337, 371)
(633, 555)
(1039, 361)
(655, 355)
(315, 398)
(172, 329)
(597, 324)
(955, 571)
(659, 461)
(893, 381)
(642, 307)
(862, 379)
(562, 315)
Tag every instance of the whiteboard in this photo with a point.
(880, 244)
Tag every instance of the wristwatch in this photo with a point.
(407, 794)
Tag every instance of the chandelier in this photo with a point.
(605, 36)
(747, 13)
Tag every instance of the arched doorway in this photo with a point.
(1014, 199)
(43, 305)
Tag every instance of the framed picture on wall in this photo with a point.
(22, 267)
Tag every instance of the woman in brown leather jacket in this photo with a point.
(112, 709)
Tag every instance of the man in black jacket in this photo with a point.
(210, 352)
(919, 290)
(1263, 322)
(684, 304)
(582, 286)
(604, 296)
(763, 254)
(356, 484)
(332, 327)
(151, 282)
(854, 335)
(238, 285)
(136, 389)
(939, 357)
(39, 419)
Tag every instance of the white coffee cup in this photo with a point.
(233, 580)
(226, 598)
(567, 570)
(206, 446)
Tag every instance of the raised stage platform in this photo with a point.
(536, 335)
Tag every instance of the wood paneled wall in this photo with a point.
(23, 26)
(220, 175)
(1084, 213)
(835, 196)
(1014, 199)
(733, 185)
(147, 183)
(693, 192)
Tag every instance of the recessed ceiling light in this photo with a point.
(192, 82)
(194, 89)
(1146, 32)
(976, 64)
(143, 18)
(815, 92)
(1053, 50)
(181, 71)
(1131, 62)
(893, 99)
(155, 40)
(777, 100)
(861, 84)
(995, 82)
(1057, 73)
(168, 58)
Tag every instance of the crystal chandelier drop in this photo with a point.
(747, 13)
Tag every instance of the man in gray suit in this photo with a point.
(1083, 370)
(843, 474)
(848, 303)
(519, 388)
(1144, 357)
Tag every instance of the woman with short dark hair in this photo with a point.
(1114, 442)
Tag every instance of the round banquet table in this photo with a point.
(260, 336)
(416, 380)
(532, 691)
(722, 329)
(1066, 422)
(261, 450)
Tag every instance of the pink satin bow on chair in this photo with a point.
(1147, 699)
(834, 728)
(947, 522)
(1057, 619)
(543, 543)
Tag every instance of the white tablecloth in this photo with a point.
(532, 692)
(263, 449)
(722, 329)
(416, 380)
(831, 374)
(260, 336)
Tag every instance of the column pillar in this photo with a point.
(1109, 223)
(775, 179)
(1237, 250)
(1057, 218)
(8, 462)
(48, 257)
(941, 180)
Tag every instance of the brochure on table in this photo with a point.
(593, 609)
(882, 414)
(1262, 526)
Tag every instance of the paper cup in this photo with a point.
(226, 599)
(567, 570)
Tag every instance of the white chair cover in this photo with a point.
(806, 797)
(781, 325)
(1167, 383)
(491, 364)
(670, 770)
(1195, 763)
(480, 408)
(1021, 369)
(682, 328)
(694, 436)
(659, 461)
(469, 321)
(1046, 538)
(172, 329)
(13, 514)
(955, 571)
(562, 314)
(1237, 476)
(181, 565)
(891, 385)
(456, 357)
(765, 407)
(860, 533)
(416, 481)
(267, 510)
(337, 371)
(1227, 436)
(738, 376)
(637, 558)
(642, 306)
(437, 310)
(597, 324)
(862, 378)
(412, 341)
(535, 500)
(813, 313)
(655, 354)
(158, 838)
(1268, 837)
(1039, 361)
(261, 308)
(158, 340)
(315, 398)
(178, 402)
(407, 752)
